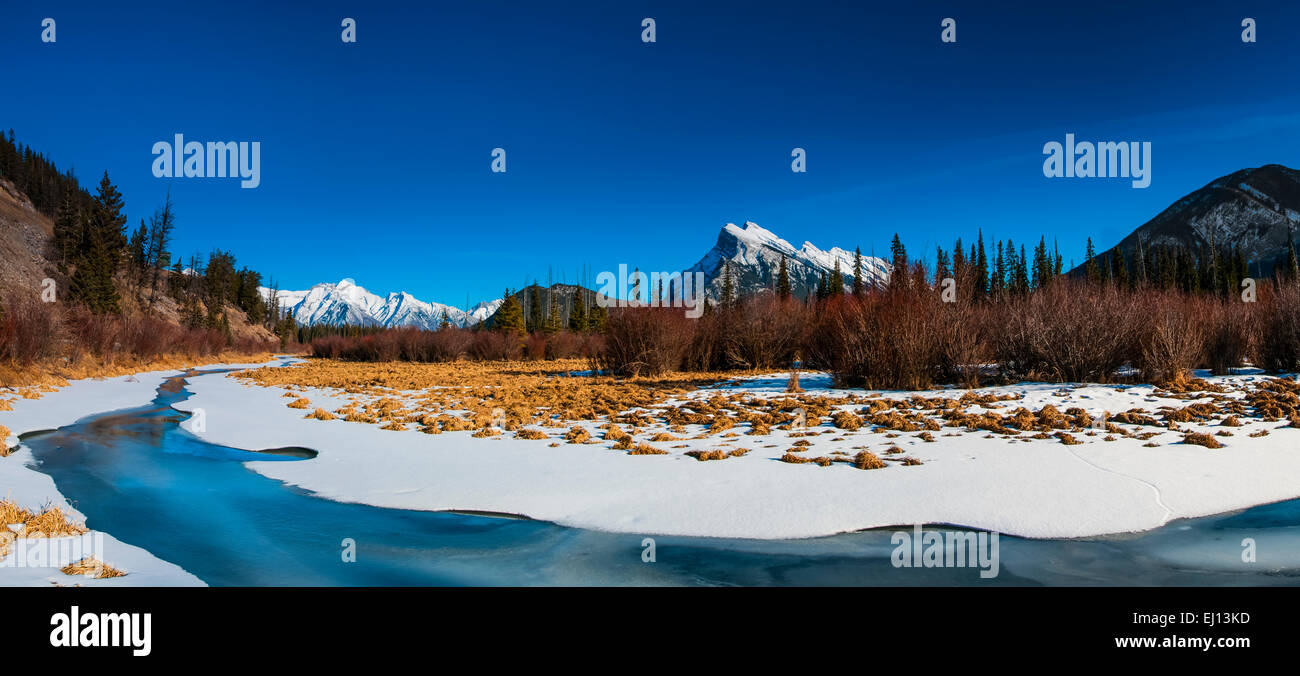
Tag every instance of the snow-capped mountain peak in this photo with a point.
(754, 254)
(348, 303)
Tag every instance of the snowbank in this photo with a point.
(1035, 488)
(26, 486)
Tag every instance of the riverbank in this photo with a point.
(1061, 475)
(52, 407)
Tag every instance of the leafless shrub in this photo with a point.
(29, 329)
(645, 341)
(1171, 335)
(1277, 328)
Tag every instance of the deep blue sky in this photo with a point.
(375, 155)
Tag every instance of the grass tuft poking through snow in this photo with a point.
(1201, 439)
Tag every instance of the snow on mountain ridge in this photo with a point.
(755, 253)
(347, 303)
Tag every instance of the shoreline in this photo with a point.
(28, 487)
(1037, 489)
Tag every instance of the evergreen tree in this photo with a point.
(898, 260)
(998, 280)
(161, 226)
(1090, 265)
(981, 269)
(67, 231)
(836, 285)
(578, 314)
(535, 314)
(942, 270)
(959, 272)
(136, 250)
(597, 317)
(728, 286)
(857, 270)
(783, 280)
(1292, 264)
(510, 316)
(1042, 271)
(92, 283)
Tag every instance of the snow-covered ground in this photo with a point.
(1016, 485)
(26, 486)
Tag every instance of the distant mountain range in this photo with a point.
(754, 254)
(347, 303)
(1256, 210)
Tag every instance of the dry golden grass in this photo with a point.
(577, 435)
(4, 446)
(846, 420)
(91, 567)
(320, 414)
(52, 522)
(1202, 440)
(56, 373)
(646, 449)
(531, 397)
(301, 402)
(868, 460)
(718, 454)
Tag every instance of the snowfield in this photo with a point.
(26, 486)
(1017, 485)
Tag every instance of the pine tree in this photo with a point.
(1022, 273)
(67, 231)
(578, 314)
(857, 270)
(1121, 269)
(981, 269)
(535, 313)
(998, 281)
(92, 283)
(136, 248)
(959, 266)
(1090, 265)
(510, 316)
(783, 280)
(728, 286)
(596, 321)
(160, 234)
(835, 287)
(942, 270)
(898, 259)
(1292, 264)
